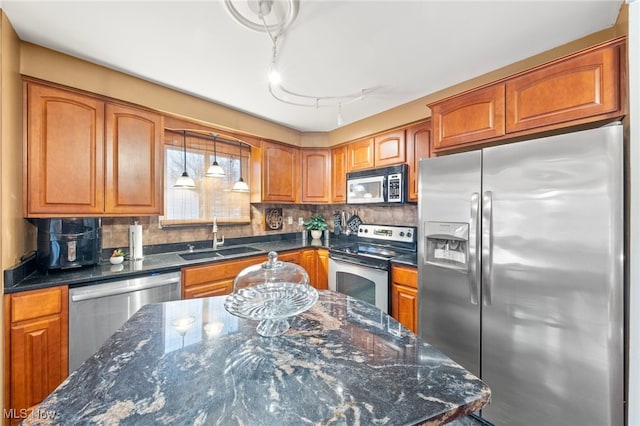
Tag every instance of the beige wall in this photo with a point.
(16, 232)
(46, 64)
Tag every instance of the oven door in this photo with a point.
(365, 190)
(360, 282)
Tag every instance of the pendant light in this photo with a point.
(214, 169)
(241, 185)
(184, 181)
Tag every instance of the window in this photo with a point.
(212, 196)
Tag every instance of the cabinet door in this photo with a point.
(214, 279)
(576, 88)
(38, 345)
(280, 172)
(468, 118)
(418, 146)
(404, 306)
(360, 155)
(322, 271)
(389, 149)
(309, 262)
(339, 174)
(404, 296)
(134, 168)
(65, 146)
(316, 175)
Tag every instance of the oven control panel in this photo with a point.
(405, 234)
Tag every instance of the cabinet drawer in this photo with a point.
(35, 304)
(405, 275)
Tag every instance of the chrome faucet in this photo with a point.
(216, 243)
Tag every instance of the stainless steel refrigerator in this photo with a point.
(520, 261)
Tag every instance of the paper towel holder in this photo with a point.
(135, 241)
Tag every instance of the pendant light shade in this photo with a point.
(214, 169)
(184, 181)
(240, 185)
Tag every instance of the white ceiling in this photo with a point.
(405, 48)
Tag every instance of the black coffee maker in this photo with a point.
(68, 242)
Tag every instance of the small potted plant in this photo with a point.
(116, 257)
(316, 224)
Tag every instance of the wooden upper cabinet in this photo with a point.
(134, 155)
(64, 152)
(316, 175)
(339, 174)
(467, 118)
(280, 172)
(389, 149)
(360, 155)
(584, 87)
(89, 157)
(418, 146)
(576, 88)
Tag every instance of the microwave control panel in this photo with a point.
(394, 188)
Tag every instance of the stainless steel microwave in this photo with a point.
(385, 185)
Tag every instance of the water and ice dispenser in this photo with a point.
(446, 244)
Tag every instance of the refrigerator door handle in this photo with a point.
(474, 241)
(487, 246)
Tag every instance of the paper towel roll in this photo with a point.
(135, 241)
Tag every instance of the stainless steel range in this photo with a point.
(360, 267)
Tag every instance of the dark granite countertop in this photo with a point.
(151, 264)
(343, 362)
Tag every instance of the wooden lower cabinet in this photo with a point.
(404, 296)
(216, 279)
(322, 270)
(36, 348)
(316, 263)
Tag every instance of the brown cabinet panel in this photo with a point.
(404, 296)
(309, 261)
(360, 155)
(390, 149)
(418, 146)
(36, 345)
(65, 146)
(583, 86)
(322, 271)
(280, 172)
(316, 175)
(339, 174)
(405, 306)
(134, 155)
(467, 118)
(214, 279)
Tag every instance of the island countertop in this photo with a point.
(342, 362)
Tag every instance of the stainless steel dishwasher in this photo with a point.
(96, 311)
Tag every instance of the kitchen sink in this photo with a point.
(212, 254)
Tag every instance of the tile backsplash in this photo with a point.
(116, 229)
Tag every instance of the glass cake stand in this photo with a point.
(270, 293)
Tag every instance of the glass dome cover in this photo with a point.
(271, 292)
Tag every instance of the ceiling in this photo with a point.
(405, 49)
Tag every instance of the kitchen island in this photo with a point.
(191, 362)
